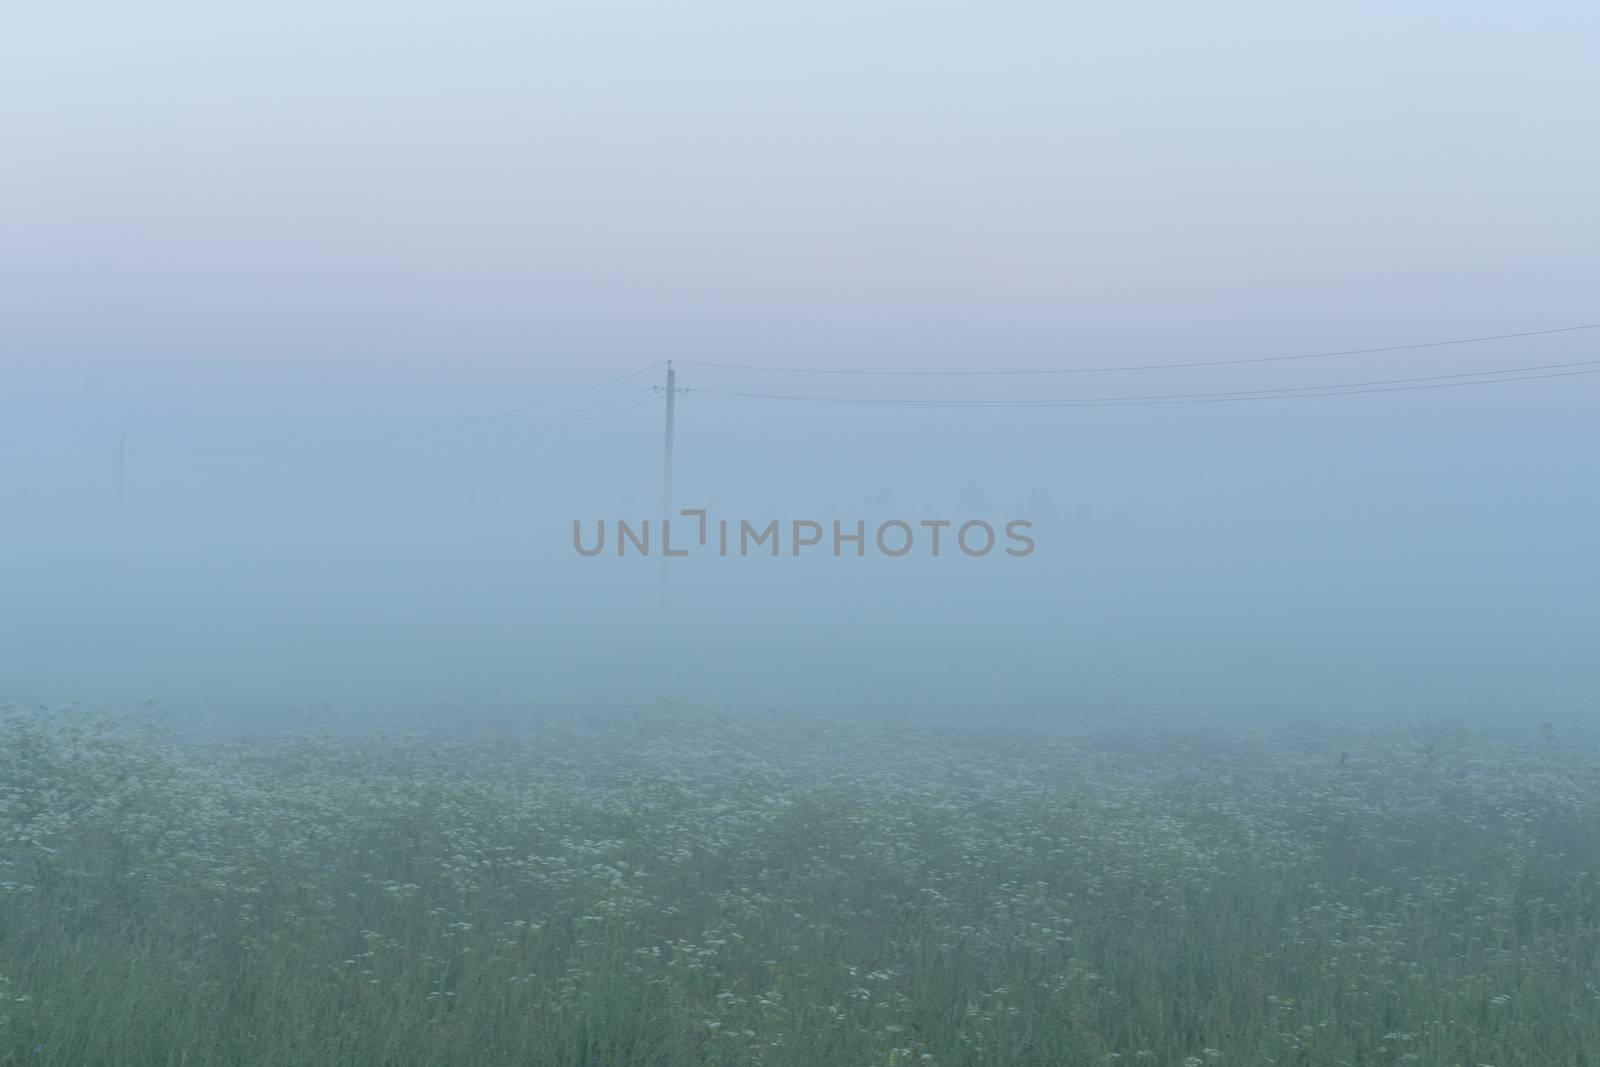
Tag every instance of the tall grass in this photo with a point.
(683, 887)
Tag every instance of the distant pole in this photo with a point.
(666, 484)
(122, 464)
(666, 456)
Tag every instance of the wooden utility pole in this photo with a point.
(666, 456)
(666, 487)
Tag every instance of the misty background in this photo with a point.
(285, 252)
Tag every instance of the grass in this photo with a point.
(684, 887)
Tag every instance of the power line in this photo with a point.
(1146, 366)
(521, 431)
(1389, 389)
(1435, 381)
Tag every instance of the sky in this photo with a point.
(284, 249)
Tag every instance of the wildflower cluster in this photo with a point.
(687, 886)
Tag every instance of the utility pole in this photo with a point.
(666, 486)
(666, 456)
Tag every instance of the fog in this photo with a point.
(293, 537)
(283, 254)
(278, 252)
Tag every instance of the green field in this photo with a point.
(681, 886)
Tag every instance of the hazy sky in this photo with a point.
(568, 184)
(250, 237)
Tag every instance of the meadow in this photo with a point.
(680, 885)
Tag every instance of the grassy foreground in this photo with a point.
(681, 887)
